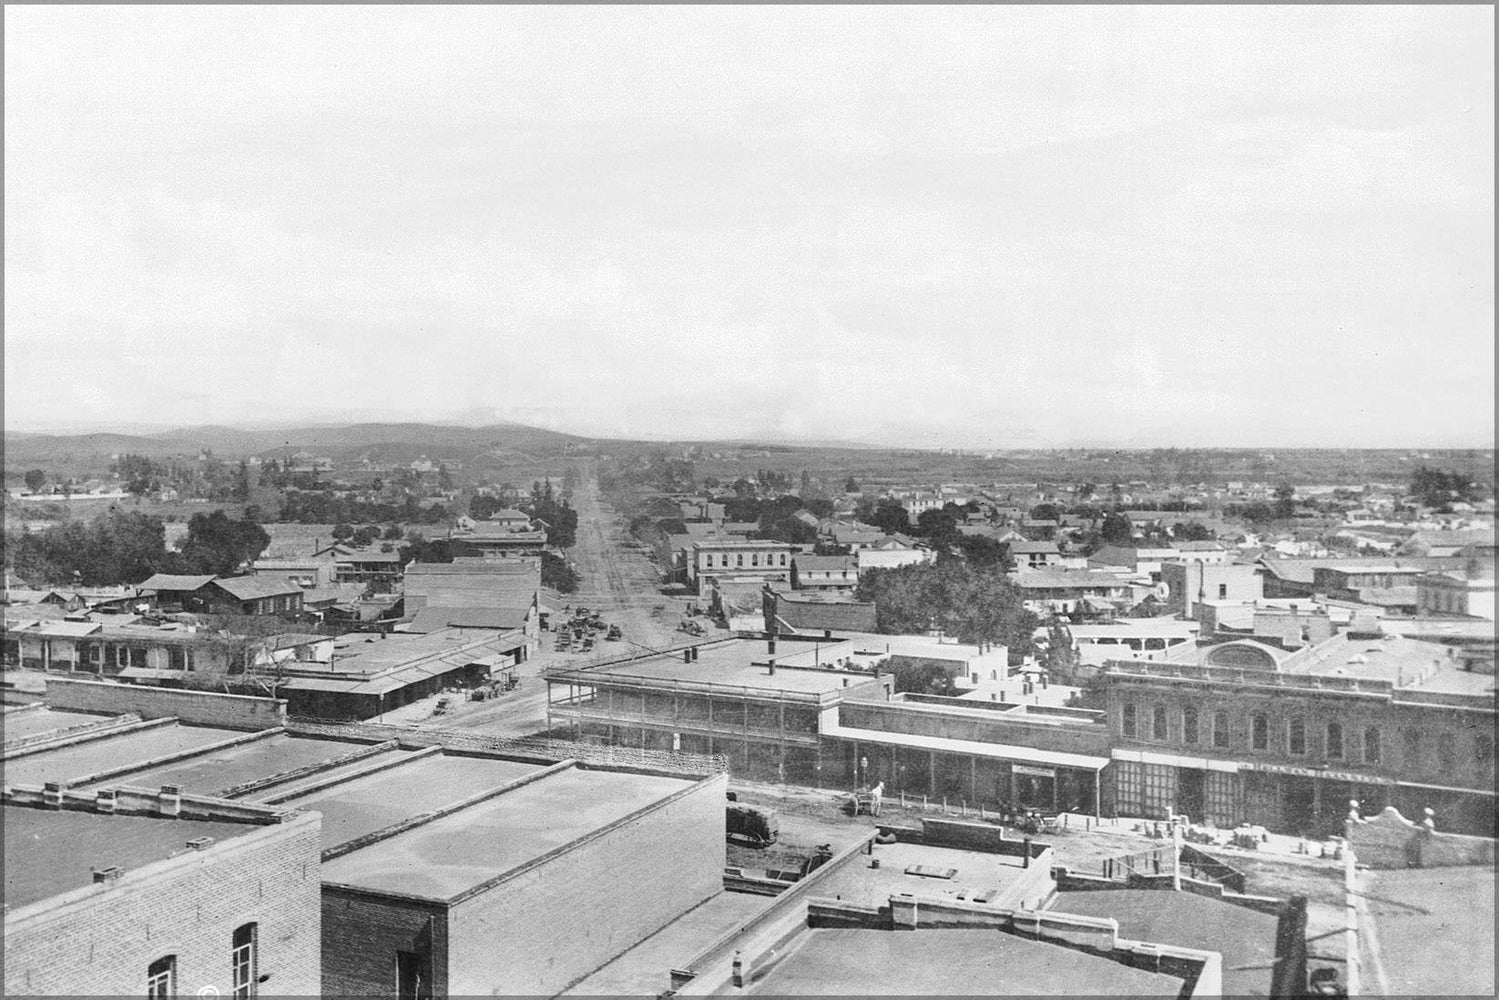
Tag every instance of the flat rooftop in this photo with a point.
(443, 858)
(948, 962)
(35, 721)
(736, 663)
(976, 873)
(1447, 951)
(49, 851)
(216, 771)
(373, 802)
(82, 760)
(1245, 938)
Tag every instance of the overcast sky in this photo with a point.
(977, 227)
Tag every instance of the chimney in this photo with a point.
(52, 794)
(694, 654)
(169, 800)
(827, 633)
(772, 645)
(687, 655)
(772, 668)
(108, 876)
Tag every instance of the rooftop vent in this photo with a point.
(1358, 658)
(200, 843)
(108, 875)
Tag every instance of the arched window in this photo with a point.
(161, 978)
(1129, 718)
(1296, 736)
(1158, 723)
(242, 961)
(1371, 745)
(1189, 724)
(1259, 731)
(1220, 729)
(1334, 741)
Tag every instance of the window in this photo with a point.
(1158, 723)
(242, 961)
(1129, 718)
(783, 560)
(738, 559)
(1259, 731)
(1189, 724)
(176, 658)
(1220, 729)
(161, 978)
(1371, 745)
(1413, 749)
(1334, 741)
(1296, 736)
(754, 558)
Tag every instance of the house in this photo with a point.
(728, 559)
(836, 573)
(1467, 593)
(1087, 593)
(127, 649)
(1449, 543)
(1035, 555)
(186, 593)
(497, 541)
(1138, 559)
(1190, 583)
(252, 595)
(472, 592)
(891, 552)
(1212, 553)
(815, 613)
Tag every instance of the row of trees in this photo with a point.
(561, 519)
(326, 507)
(125, 547)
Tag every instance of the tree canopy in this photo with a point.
(977, 606)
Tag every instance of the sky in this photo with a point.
(976, 227)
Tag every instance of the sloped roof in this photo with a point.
(806, 564)
(432, 619)
(170, 581)
(249, 588)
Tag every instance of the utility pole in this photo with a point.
(1350, 919)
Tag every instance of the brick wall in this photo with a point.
(362, 933)
(198, 708)
(551, 925)
(100, 940)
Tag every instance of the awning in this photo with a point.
(1175, 760)
(998, 751)
(1447, 788)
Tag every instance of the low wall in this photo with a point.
(1389, 840)
(985, 838)
(197, 708)
(1068, 881)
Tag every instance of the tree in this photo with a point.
(392, 533)
(1062, 658)
(850, 485)
(364, 536)
(483, 507)
(1192, 531)
(890, 517)
(241, 490)
(218, 544)
(139, 474)
(34, 480)
(557, 574)
(743, 487)
(1285, 501)
(1116, 529)
(1046, 512)
(983, 552)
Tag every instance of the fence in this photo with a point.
(1163, 861)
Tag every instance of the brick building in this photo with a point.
(121, 893)
(1190, 583)
(1250, 731)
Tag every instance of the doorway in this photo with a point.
(1190, 798)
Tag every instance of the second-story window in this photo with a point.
(1371, 745)
(1259, 731)
(1158, 723)
(1296, 736)
(1334, 741)
(1220, 729)
(1189, 724)
(161, 978)
(1129, 718)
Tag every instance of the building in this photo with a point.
(368, 674)
(183, 593)
(1035, 555)
(126, 649)
(1190, 583)
(822, 712)
(1128, 638)
(252, 595)
(442, 866)
(890, 552)
(1139, 560)
(1463, 594)
(1081, 592)
(1212, 553)
(833, 573)
(124, 892)
(496, 540)
(1248, 731)
(310, 573)
(739, 560)
(815, 613)
(475, 592)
